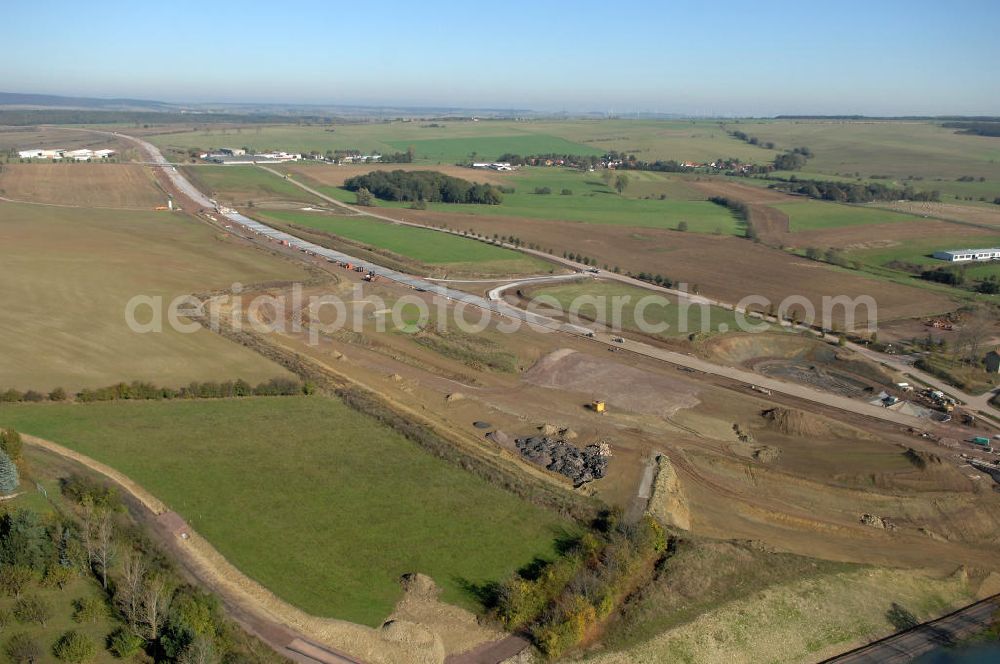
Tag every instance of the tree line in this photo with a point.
(141, 391)
(853, 192)
(975, 128)
(560, 603)
(742, 212)
(428, 186)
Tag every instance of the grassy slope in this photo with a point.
(319, 503)
(806, 620)
(807, 215)
(897, 149)
(654, 313)
(239, 184)
(425, 246)
(68, 274)
(919, 252)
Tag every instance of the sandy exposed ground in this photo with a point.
(622, 387)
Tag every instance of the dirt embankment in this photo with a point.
(668, 502)
(796, 423)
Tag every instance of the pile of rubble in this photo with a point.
(580, 465)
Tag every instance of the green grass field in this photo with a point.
(896, 149)
(68, 274)
(452, 150)
(592, 201)
(807, 215)
(323, 505)
(681, 322)
(426, 246)
(699, 140)
(238, 185)
(919, 252)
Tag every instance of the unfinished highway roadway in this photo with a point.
(501, 308)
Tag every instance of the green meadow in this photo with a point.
(807, 215)
(321, 504)
(425, 246)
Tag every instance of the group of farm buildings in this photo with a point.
(82, 154)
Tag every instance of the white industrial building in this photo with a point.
(962, 255)
(82, 154)
(494, 165)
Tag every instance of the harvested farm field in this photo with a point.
(723, 268)
(972, 214)
(245, 186)
(329, 524)
(69, 274)
(82, 184)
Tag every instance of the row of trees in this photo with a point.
(847, 192)
(986, 128)
(429, 186)
(752, 140)
(138, 390)
(742, 212)
(561, 602)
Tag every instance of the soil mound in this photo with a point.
(922, 460)
(795, 422)
(766, 454)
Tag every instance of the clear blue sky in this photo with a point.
(747, 58)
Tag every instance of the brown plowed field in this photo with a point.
(771, 224)
(724, 268)
(880, 236)
(82, 184)
(963, 213)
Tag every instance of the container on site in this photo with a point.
(979, 440)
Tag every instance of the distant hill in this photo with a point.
(33, 101)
